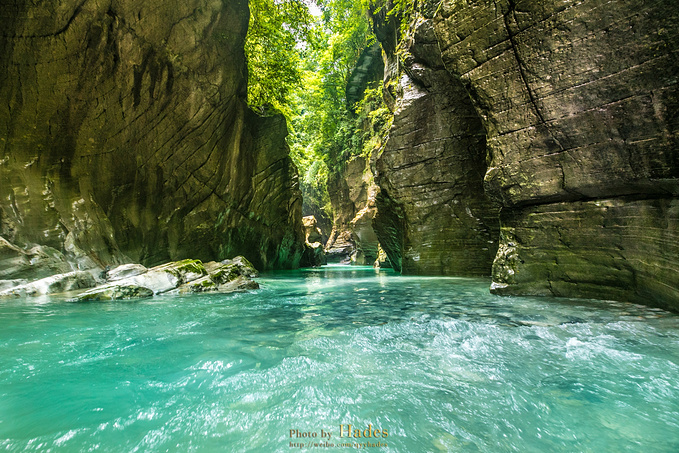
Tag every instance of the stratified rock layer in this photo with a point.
(124, 137)
(352, 193)
(432, 214)
(580, 103)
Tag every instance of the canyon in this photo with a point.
(125, 137)
(535, 142)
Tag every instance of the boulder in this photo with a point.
(114, 292)
(52, 285)
(242, 265)
(314, 255)
(311, 231)
(125, 271)
(186, 276)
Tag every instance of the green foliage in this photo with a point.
(300, 65)
(374, 120)
(272, 48)
(399, 10)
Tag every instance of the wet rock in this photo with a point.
(115, 292)
(125, 271)
(224, 277)
(207, 284)
(55, 284)
(242, 265)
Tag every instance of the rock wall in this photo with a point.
(124, 136)
(352, 187)
(432, 214)
(352, 193)
(579, 100)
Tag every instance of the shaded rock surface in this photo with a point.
(124, 137)
(580, 103)
(314, 253)
(352, 193)
(618, 249)
(30, 262)
(432, 214)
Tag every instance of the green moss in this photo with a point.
(207, 283)
(177, 268)
(225, 274)
(194, 266)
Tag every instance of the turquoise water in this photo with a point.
(437, 363)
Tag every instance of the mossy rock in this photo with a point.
(115, 292)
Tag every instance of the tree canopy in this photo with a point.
(299, 65)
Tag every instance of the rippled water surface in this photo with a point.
(437, 363)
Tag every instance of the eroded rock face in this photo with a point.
(314, 253)
(432, 214)
(352, 193)
(124, 137)
(579, 100)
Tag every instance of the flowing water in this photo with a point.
(426, 364)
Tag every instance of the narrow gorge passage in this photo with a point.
(383, 225)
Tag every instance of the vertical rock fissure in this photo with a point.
(522, 71)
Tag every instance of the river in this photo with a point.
(413, 364)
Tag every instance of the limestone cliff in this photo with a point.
(579, 100)
(432, 214)
(578, 105)
(352, 193)
(124, 136)
(351, 186)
